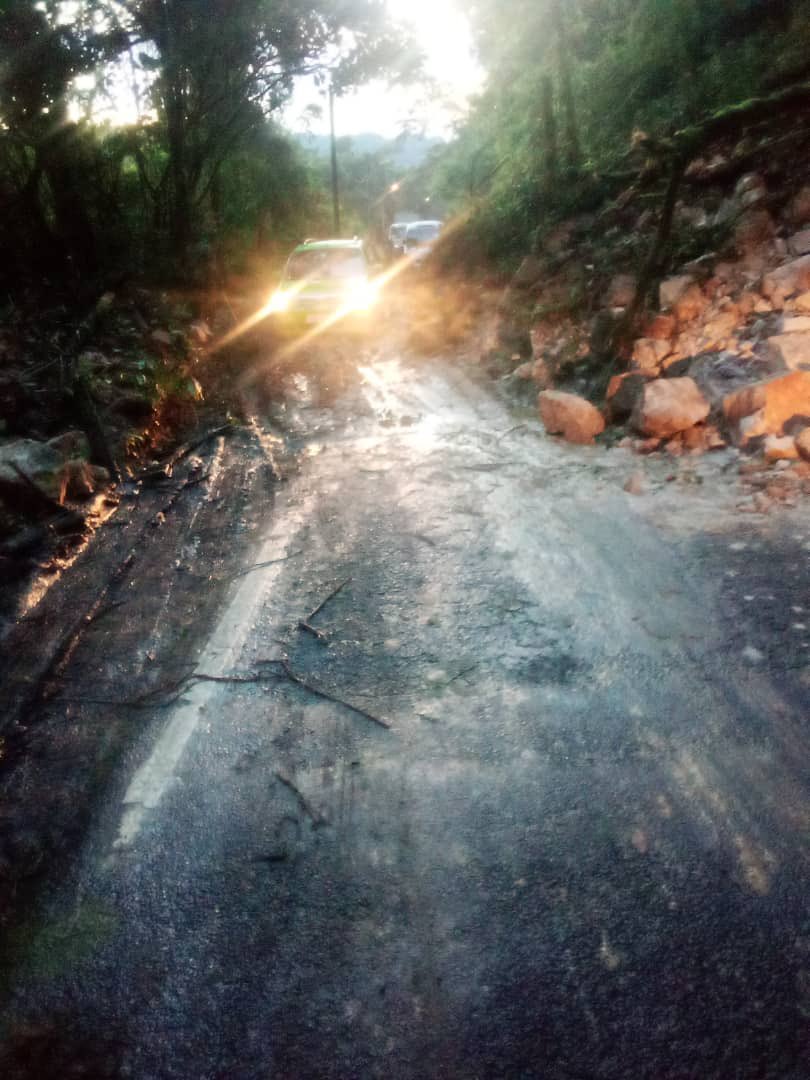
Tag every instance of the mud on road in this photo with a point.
(577, 849)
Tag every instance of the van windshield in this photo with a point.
(428, 231)
(326, 264)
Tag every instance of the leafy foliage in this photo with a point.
(570, 83)
(203, 175)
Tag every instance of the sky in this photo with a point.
(443, 32)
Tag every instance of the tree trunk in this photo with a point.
(180, 206)
(655, 258)
(573, 149)
(550, 154)
(73, 222)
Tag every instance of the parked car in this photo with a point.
(420, 236)
(326, 284)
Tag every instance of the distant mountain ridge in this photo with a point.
(406, 151)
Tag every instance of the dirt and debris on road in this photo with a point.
(577, 846)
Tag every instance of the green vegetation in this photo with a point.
(202, 179)
(580, 92)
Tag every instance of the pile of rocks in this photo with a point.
(726, 357)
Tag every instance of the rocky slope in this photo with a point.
(721, 357)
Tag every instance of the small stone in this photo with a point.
(200, 331)
(799, 243)
(690, 305)
(780, 448)
(802, 441)
(71, 444)
(649, 354)
(752, 655)
(753, 228)
(673, 289)
(799, 209)
(790, 278)
(621, 291)
(662, 328)
(634, 485)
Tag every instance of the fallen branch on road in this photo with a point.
(189, 448)
(176, 687)
(324, 602)
(262, 565)
(305, 685)
(299, 681)
(314, 815)
(306, 624)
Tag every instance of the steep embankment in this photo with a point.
(683, 328)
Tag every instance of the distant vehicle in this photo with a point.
(420, 236)
(396, 236)
(326, 283)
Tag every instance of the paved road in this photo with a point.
(580, 849)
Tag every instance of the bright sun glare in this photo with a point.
(443, 32)
(441, 29)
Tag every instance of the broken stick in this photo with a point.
(324, 602)
(306, 624)
(314, 815)
(299, 681)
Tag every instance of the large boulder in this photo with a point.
(789, 352)
(576, 419)
(39, 461)
(668, 406)
(766, 408)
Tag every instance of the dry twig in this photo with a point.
(315, 816)
(261, 565)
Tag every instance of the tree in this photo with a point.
(224, 65)
(39, 57)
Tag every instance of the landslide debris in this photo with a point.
(718, 353)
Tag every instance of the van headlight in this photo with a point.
(279, 301)
(361, 297)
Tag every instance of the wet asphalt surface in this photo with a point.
(579, 849)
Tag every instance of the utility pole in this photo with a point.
(335, 189)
